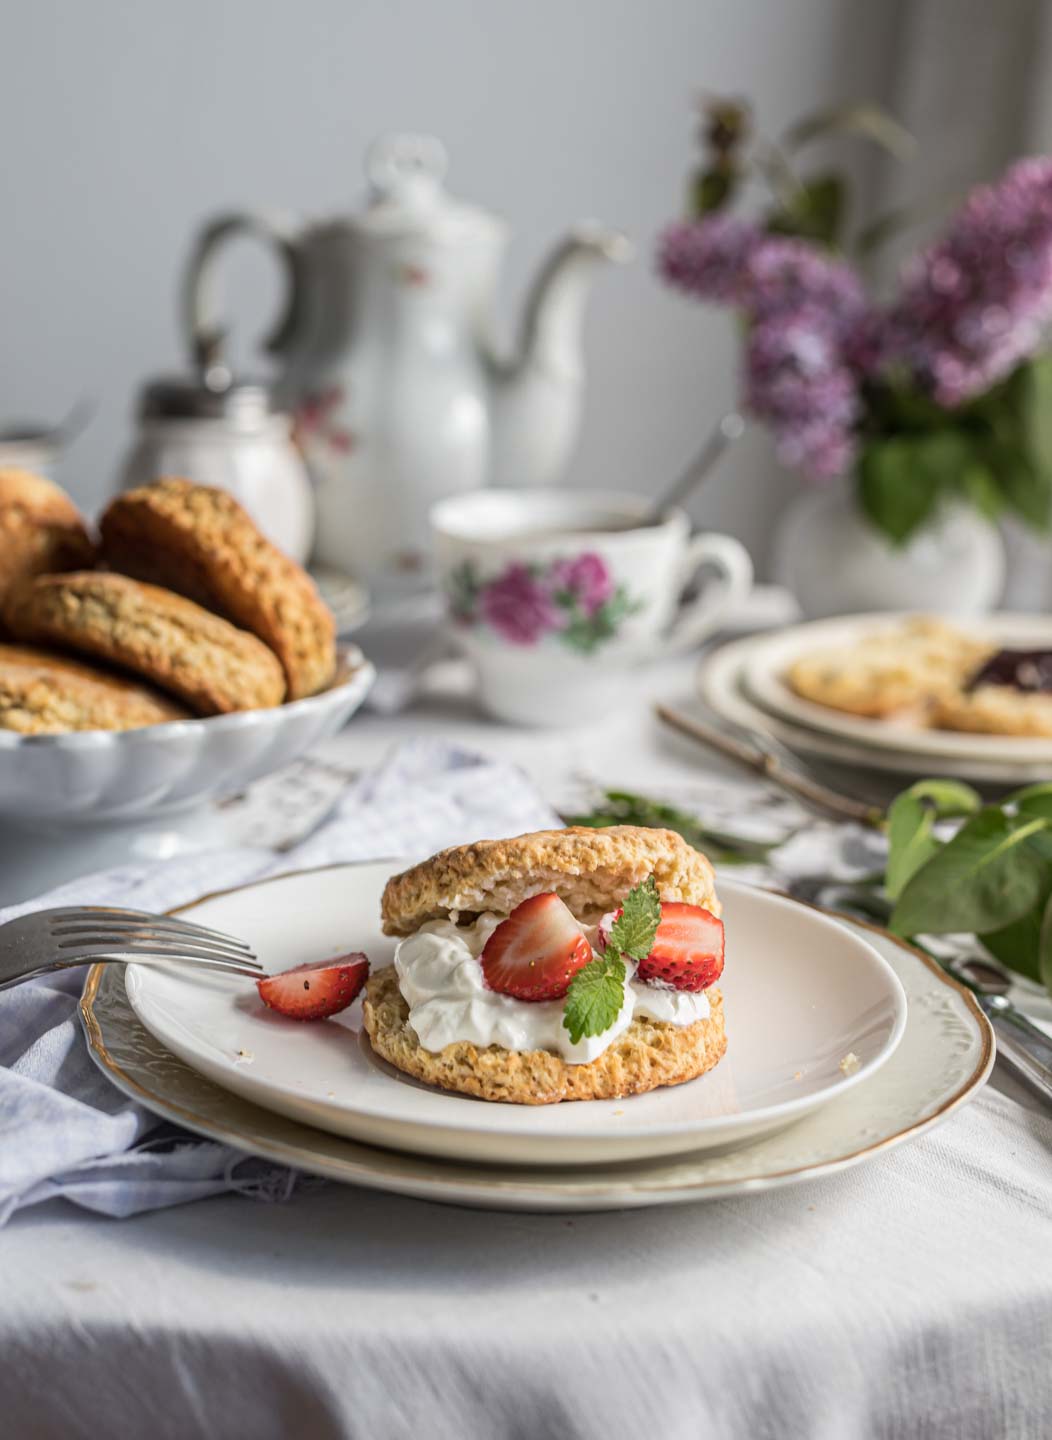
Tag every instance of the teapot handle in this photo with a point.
(205, 332)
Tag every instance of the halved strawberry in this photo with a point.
(316, 990)
(536, 952)
(687, 952)
(606, 924)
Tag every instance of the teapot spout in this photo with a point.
(537, 397)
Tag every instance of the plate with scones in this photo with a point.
(562, 998)
(907, 695)
(168, 656)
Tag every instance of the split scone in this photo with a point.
(900, 671)
(569, 964)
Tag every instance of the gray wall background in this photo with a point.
(124, 122)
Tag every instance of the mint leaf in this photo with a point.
(596, 993)
(595, 996)
(632, 933)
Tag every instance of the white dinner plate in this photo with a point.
(720, 677)
(763, 680)
(801, 994)
(945, 1056)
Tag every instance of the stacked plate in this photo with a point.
(842, 1041)
(744, 683)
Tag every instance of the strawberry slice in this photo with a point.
(536, 952)
(606, 924)
(317, 990)
(688, 948)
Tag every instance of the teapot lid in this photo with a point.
(405, 174)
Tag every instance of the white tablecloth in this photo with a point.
(911, 1297)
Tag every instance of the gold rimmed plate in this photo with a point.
(944, 1055)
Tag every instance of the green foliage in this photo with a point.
(596, 993)
(903, 479)
(814, 210)
(625, 807)
(911, 841)
(994, 453)
(632, 933)
(985, 877)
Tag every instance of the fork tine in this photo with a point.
(120, 945)
(142, 933)
(98, 913)
(220, 967)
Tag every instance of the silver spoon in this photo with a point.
(730, 428)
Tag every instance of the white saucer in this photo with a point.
(801, 994)
(945, 1056)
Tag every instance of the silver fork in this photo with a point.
(75, 935)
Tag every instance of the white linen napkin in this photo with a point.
(66, 1131)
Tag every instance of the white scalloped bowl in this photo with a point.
(90, 776)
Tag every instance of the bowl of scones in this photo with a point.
(166, 657)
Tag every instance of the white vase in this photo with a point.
(837, 563)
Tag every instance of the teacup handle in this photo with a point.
(702, 616)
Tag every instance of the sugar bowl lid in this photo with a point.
(245, 403)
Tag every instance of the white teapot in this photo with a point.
(398, 396)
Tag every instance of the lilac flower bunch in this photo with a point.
(940, 392)
(806, 312)
(976, 303)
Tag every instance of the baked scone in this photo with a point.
(996, 710)
(46, 694)
(647, 1055)
(41, 530)
(586, 867)
(201, 543)
(436, 1016)
(1009, 694)
(164, 638)
(899, 671)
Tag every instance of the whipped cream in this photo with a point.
(441, 979)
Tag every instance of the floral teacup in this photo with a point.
(555, 595)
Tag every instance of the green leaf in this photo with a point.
(1027, 490)
(595, 997)
(903, 479)
(813, 211)
(861, 118)
(1019, 945)
(982, 490)
(712, 189)
(1045, 948)
(948, 797)
(1034, 382)
(624, 807)
(1034, 799)
(632, 933)
(911, 843)
(981, 880)
(895, 493)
